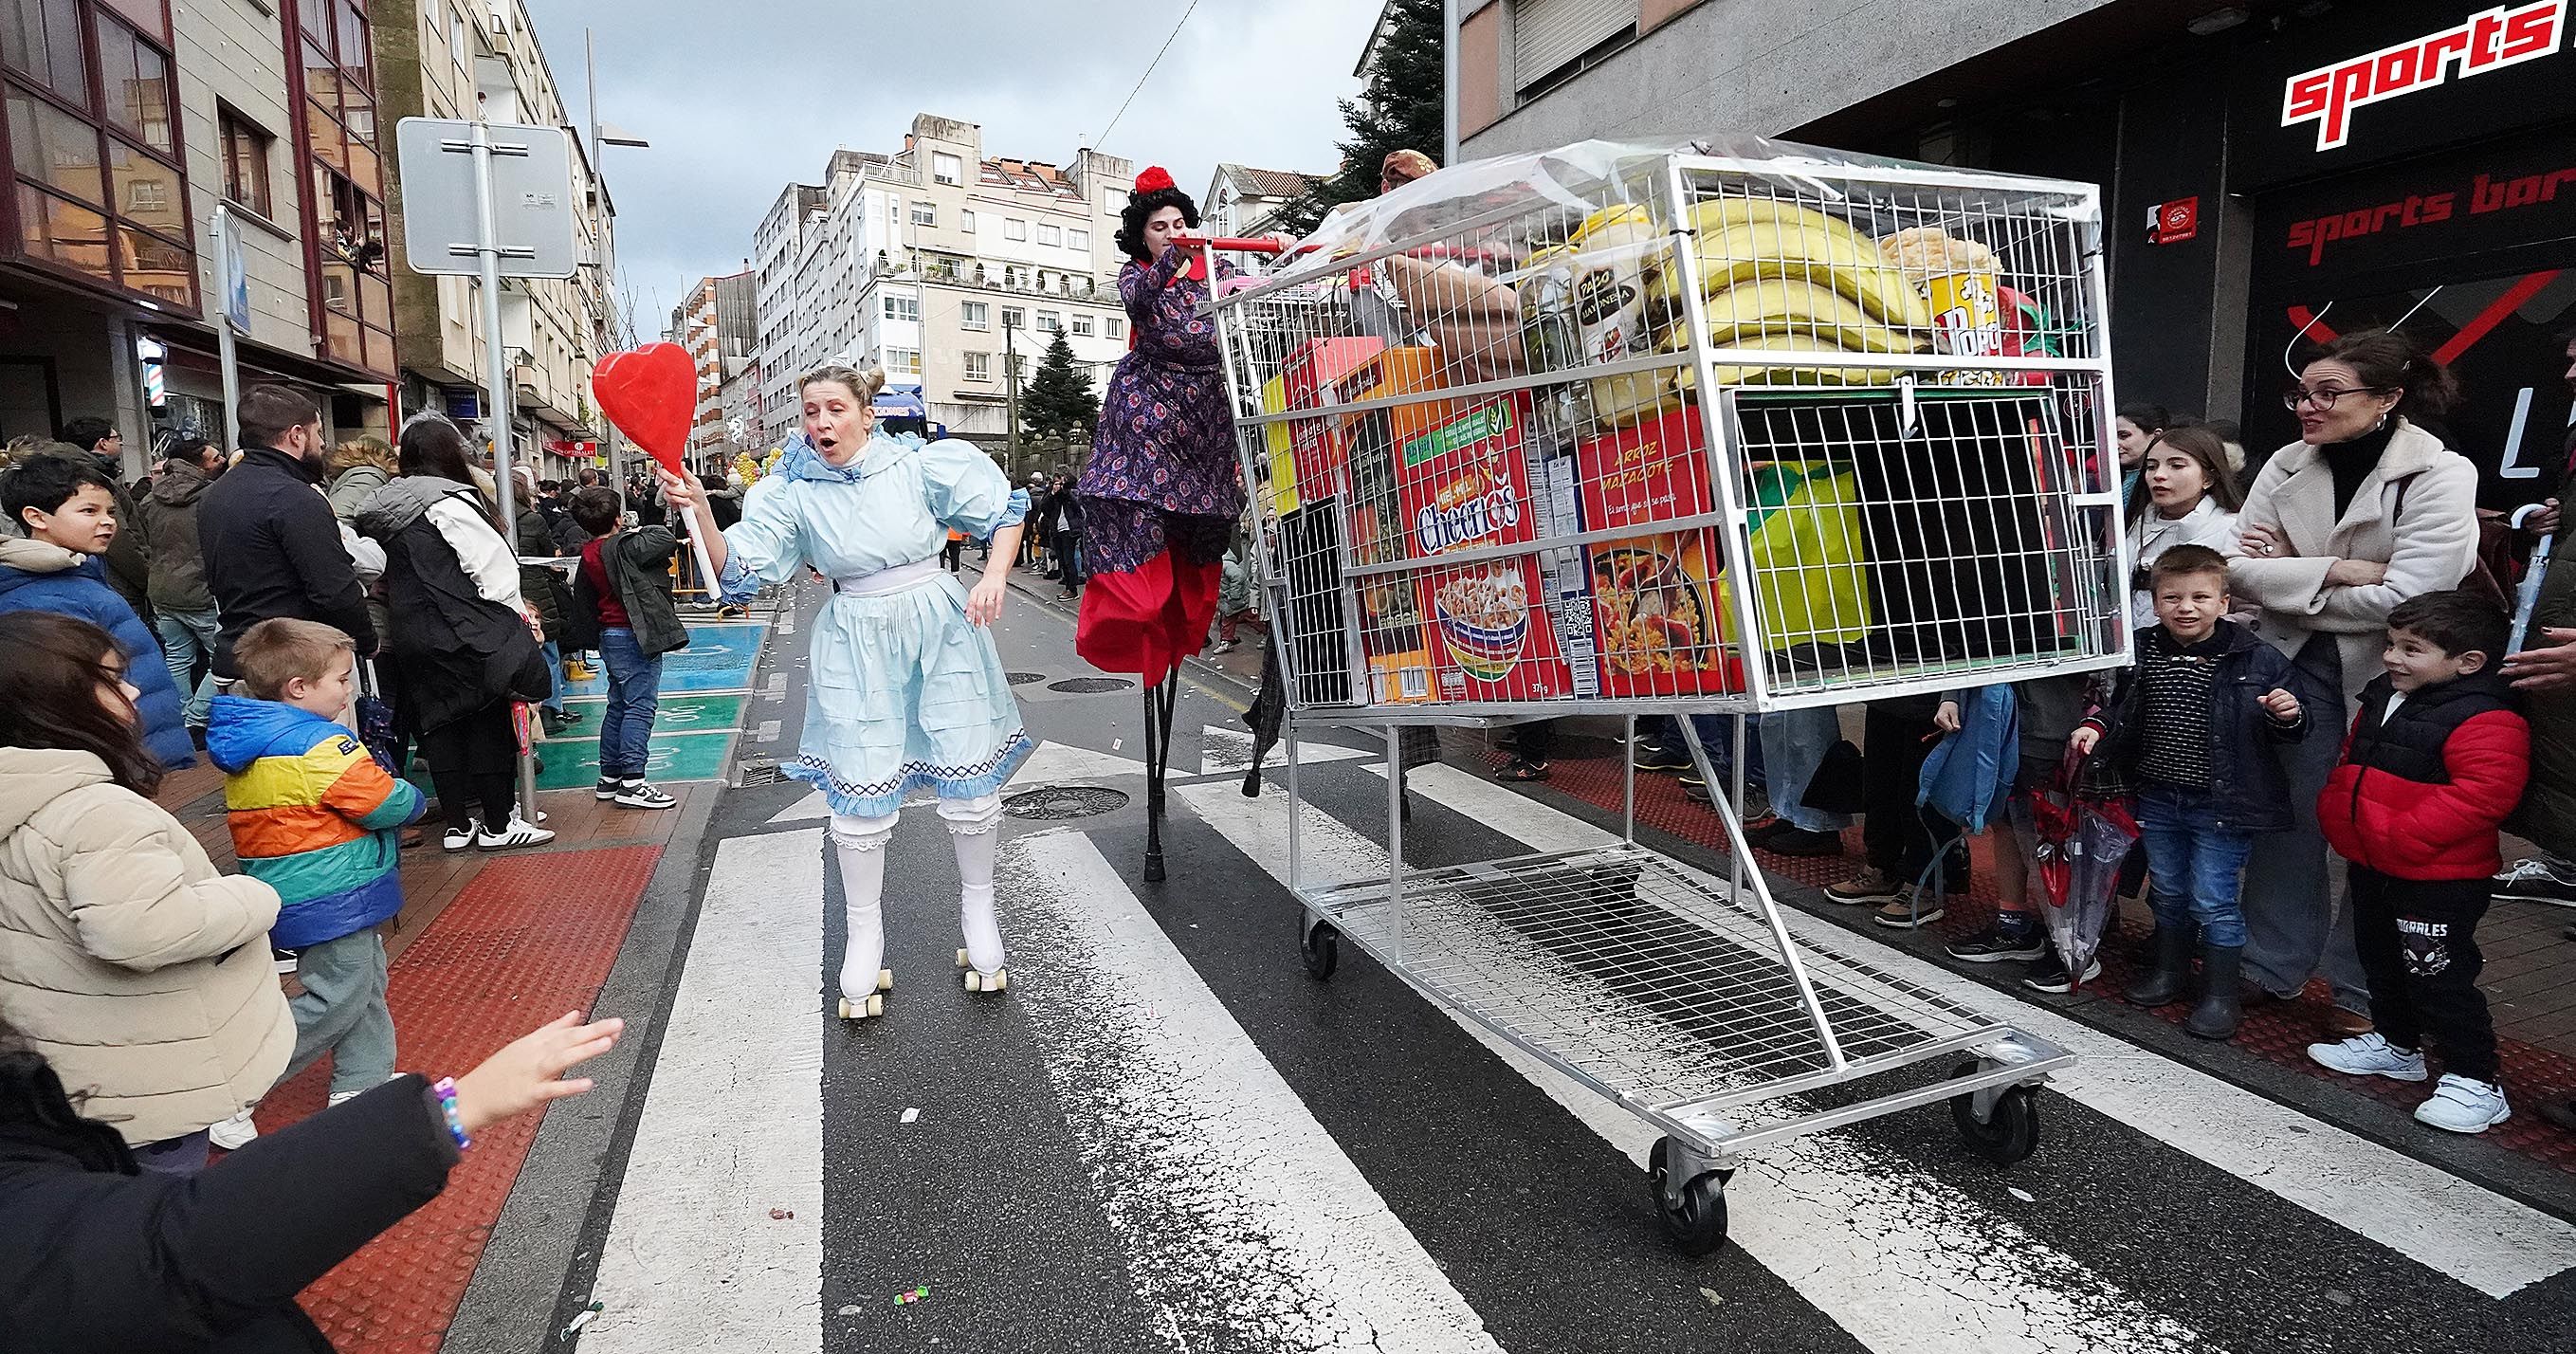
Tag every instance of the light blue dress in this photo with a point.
(903, 691)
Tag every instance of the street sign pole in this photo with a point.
(226, 357)
(496, 381)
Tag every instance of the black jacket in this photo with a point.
(272, 548)
(638, 565)
(547, 592)
(2247, 784)
(99, 1258)
(456, 651)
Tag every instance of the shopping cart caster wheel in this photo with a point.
(854, 1010)
(2012, 1134)
(1323, 950)
(1696, 1223)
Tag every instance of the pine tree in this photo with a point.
(1400, 109)
(1058, 402)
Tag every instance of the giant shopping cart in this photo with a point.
(1735, 427)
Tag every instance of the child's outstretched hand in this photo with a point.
(2280, 704)
(2086, 739)
(529, 1071)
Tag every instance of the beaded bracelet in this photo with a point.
(445, 1089)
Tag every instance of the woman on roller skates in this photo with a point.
(907, 689)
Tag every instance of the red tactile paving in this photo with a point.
(2278, 1032)
(529, 939)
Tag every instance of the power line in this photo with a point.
(1149, 72)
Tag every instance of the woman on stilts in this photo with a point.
(1162, 493)
(907, 689)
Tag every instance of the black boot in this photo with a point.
(2220, 1009)
(2163, 984)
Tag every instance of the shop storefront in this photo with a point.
(2415, 166)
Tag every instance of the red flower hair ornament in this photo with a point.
(1154, 180)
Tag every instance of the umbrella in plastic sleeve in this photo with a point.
(2105, 831)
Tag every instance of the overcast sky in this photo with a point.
(742, 98)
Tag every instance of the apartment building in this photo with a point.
(777, 247)
(717, 322)
(127, 122)
(468, 58)
(936, 261)
(1245, 202)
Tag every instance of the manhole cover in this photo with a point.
(1024, 678)
(1085, 686)
(1055, 802)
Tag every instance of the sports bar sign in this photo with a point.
(2481, 44)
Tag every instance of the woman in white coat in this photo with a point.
(2186, 496)
(2364, 511)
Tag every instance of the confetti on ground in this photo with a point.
(916, 1295)
(1711, 1294)
(781, 1214)
(2022, 1194)
(910, 1115)
(851, 1310)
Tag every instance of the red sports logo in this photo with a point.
(2500, 37)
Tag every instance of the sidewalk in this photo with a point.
(488, 947)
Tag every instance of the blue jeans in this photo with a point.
(188, 637)
(1717, 734)
(634, 698)
(2194, 869)
(1794, 744)
(554, 674)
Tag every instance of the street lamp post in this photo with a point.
(602, 134)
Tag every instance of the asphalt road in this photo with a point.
(1166, 1135)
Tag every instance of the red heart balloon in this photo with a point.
(651, 394)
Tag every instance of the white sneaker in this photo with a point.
(2460, 1105)
(519, 833)
(338, 1097)
(2370, 1055)
(458, 838)
(233, 1133)
(635, 794)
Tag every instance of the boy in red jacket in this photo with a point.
(2436, 760)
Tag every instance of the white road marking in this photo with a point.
(1241, 1216)
(1229, 752)
(694, 1262)
(1900, 1260)
(1051, 764)
(2483, 1239)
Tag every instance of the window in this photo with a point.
(1049, 322)
(1079, 239)
(925, 214)
(903, 361)
(1014, 228)
(344, 210)
(1082, 326)
(974, 315)
(460, 48)
(1049, 234)
(979, 366)
(101, 189)
(966, 222)
(1117, 327)
(245, 160)
(947, 168)
(900, 307)
(1014, 318)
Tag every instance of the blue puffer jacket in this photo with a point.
(40, 576)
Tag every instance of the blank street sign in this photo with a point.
(532, 202)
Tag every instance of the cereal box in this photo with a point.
(1322, 373)
(1392, 638)
(1660, 619)
(1465, 484)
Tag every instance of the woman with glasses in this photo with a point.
(2364, 511)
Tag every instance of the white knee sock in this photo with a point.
(974, 826)
(861, 843)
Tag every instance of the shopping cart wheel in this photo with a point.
(1323, 949)
(1695, 1214)
(2010, 1133)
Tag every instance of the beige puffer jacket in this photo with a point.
(125, 959)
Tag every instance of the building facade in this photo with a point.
(718, 322)
(939, 263)
(128, 122)
(1245, 202)
(469, 58)
(2275, 172)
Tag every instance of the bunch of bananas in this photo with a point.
(1777, 278)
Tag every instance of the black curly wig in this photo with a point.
(1140, 207)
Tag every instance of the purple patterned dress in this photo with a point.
(1162, 472)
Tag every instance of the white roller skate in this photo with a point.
(874, 1003)
(980, 981)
